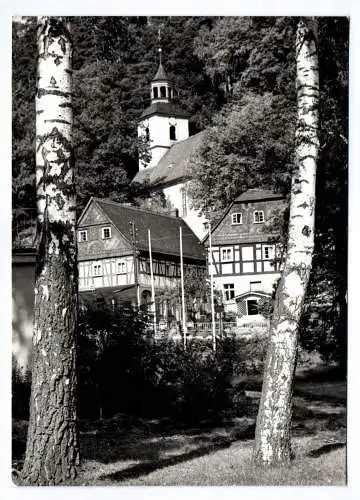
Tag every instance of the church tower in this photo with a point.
(162, 123)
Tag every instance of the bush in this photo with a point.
(123, 370)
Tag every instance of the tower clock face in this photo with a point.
(172, 121)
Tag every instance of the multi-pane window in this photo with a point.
(97, 269)
(236, 218)
(83, 236)
(106, 233)
(268, 252)
(226, 254)
(121, 267)
(229, 291)
(258, 216)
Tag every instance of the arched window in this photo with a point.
(162, 91)
(184, 203)
(147, 134)
(155, 90)
(172, 131)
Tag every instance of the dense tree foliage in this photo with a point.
(251, 141)
(115, 59)
(236, 77)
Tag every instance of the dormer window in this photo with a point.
(172, 132)
(83, 235)
(236, 218)
(106, 233)
(258, 216)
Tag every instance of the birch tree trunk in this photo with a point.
(52, 444)
(272, 437)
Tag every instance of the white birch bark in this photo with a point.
(52, 445)
(272, 437)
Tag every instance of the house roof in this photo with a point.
(220, 239)
(164, 229)
(160, 74)
(257, 195)
(164, 109)
(173, 166)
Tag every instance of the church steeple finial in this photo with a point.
(159, 49)
(161, 89)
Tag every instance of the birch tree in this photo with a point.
(52, 444)
(272, 437)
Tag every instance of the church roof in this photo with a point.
(164, 229)
(174, 166)
(164, 109)
(160, 74)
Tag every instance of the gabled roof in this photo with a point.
(164, 109)
(164, 229)
(248, 196)
(174, 166)
(160, 74)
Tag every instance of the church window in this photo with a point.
(184, 203)
(147, 134)
(172, 131)
(162, 91)
(155, 90)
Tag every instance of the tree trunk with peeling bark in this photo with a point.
(272, 437)
(52, 452)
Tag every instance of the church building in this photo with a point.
(166, 128)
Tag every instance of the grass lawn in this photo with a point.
(121, 452)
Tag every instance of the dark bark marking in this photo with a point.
(306, 231)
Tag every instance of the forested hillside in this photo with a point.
(236, 78)
(114, 62)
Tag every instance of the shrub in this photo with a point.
(123, 370)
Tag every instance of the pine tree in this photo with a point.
(52, 453)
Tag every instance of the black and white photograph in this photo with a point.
(179, 217)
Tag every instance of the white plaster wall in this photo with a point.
(242, 285)
(193, 218)
(160, 137)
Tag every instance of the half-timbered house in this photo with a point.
(246, 259)
(113, 251)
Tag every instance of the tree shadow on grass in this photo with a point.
(147, 467)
